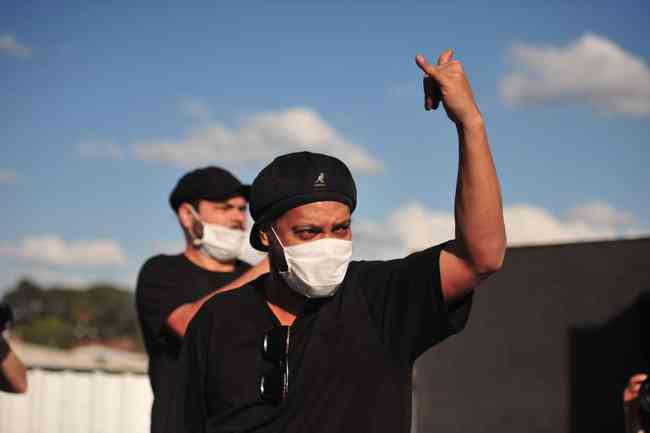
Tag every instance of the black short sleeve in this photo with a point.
(157, 296)
(406, 304)
(167, 282)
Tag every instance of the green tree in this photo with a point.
(63, 317)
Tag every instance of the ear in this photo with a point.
(264, 238)
(185, 216)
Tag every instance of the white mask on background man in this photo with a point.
(217, 241)
(316, 269)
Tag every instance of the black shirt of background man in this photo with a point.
(350, 356)
(164, 284)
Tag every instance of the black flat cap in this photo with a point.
(208, 183)
(296, 179)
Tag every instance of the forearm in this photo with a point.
(14, 374)
(480, 229)
(181, 317)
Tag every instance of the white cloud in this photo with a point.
(8, 177)
(100, 149)
(415, 227)
(259, 138)
(54, 250)
(601, 214)
(532, 225)
(433, 226)
(375, 240)
(409, 228)
(591, 69)
(9, 45)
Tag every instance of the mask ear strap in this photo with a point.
(283, 260)
(277, 237)
(193, 212)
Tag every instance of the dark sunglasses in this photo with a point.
(274, 384)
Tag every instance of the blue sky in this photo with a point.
(104, 107)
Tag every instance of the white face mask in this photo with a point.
(317, 268)
(219, 242)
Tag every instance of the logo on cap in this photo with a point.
(320, 180)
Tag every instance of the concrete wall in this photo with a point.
(550, 343)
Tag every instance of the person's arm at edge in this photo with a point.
(479, 246)
(631, 408)
(14, 373)
(179, 319)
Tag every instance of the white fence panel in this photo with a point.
(78, 402)
(77, 412)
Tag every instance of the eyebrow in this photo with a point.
(306, 226)
(347, 222)
(224, 205)
(312, 226)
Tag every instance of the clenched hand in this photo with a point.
(446, 81)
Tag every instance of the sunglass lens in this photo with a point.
(275, 344)
(272, 385)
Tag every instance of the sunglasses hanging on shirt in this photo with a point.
(274, 384)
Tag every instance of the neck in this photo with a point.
(284, 302)
(201, 260)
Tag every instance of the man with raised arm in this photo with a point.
(326, 344)
(211, 206)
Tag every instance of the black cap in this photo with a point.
(296, 179)
(208, 183)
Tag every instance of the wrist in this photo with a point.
(471, 122)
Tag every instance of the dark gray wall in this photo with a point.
(548, 348)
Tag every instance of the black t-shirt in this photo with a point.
(350, 356)
(164, 284)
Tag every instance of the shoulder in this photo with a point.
(359, 268)
(412, 258)
(161, 262)
(224, 313)
(160, 268)
(372, 271)
(231, 304)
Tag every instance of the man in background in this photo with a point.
(211, 206)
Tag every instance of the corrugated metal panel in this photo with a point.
(78, 402)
